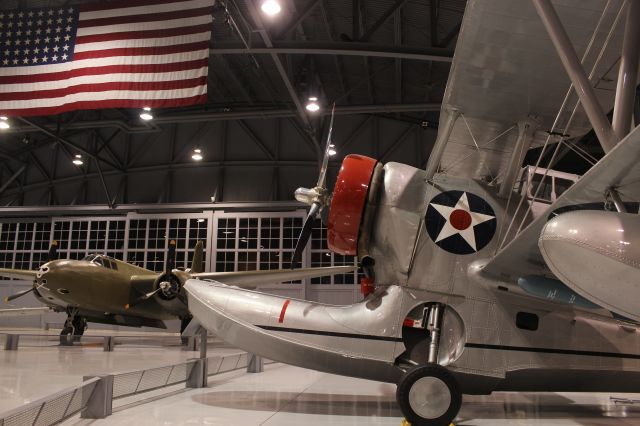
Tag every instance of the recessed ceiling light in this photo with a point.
(4, 123)
(271, 7)
(77, 160)
(146, 116)
(146, 109)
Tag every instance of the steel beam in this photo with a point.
(293, 94)
(13, 177)
(574, 69)
(66, 142)
(628, 72)
(336, 48)
(438, 147)
(297, 20)
(385, 16)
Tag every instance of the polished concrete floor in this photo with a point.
(281, 395)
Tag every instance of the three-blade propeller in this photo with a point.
(164, 285)
(52, 255)
(317, 197)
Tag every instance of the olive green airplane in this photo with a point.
(105, 290)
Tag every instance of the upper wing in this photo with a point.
(252, 279)
(17, 273)
(619, 169)
(506, 69)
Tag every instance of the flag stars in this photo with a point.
(59, 21)
(64, 57)
(66, 47)
(21, 15)
(67, 37)
(25, 60)
(70, 10)
(56, 39)
(54, 58)
(50, 12)
(70, 19)
(56, 48)
(67, 29)
(49, 21)
(40, 12)
(45, 59)
(30, 14)
(5, 62)
(58, 29)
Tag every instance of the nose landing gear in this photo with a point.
(73, 328)
(429, 395)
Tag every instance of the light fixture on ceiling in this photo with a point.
(271, 7)
(332, 150)
(197, 154)
(4, 122)
(77, 160)
(312, 105)
(146, 114)
(200, 220)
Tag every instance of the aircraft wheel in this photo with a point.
(66, 335)
(429, 395)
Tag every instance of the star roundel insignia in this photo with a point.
(460, 222)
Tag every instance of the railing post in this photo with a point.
(99, 403)
(255, 364)
(108, 344)
(198, 375)
(11, 344)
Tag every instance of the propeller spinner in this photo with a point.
(52, 255)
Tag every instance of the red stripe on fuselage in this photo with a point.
(284, 310)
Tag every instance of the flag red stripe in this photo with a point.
(103, 87)
(111, 103)
(171, 32)
(122, 4)
(141, 51)
(110, 69)
(149, 17)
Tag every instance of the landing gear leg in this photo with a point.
(429, 395)
(184, 322)
(69, 329)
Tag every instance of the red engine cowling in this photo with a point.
(348, 203)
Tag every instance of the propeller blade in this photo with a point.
(15, 296)
(325, 160)
(171, 256)
(305, 234)
(53, 251)
(142, 298)
(197, 264)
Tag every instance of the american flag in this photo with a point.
(135, 54)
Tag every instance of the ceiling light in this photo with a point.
(200, 220)
(146, 114)
(4, 123)
(312, 105)
(332, 150)
(271, 7)
(197, 154)
(77, 160)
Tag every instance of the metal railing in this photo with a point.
(94, 397)
(52, 409)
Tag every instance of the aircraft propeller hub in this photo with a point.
(316, 195)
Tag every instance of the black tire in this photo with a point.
(66, 336)
(412, 376)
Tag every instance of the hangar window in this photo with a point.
(527, 321)
(321, 256)
(24, 245)
(255, 241)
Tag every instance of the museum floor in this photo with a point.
(281, 395)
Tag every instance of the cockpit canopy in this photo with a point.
(102, 260)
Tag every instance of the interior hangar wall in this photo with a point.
(244, 160)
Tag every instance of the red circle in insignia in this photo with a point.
(460, 219)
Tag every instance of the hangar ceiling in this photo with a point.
(383, 62)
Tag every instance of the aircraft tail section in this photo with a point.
(359, 340)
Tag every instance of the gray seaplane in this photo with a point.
(467, 291)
